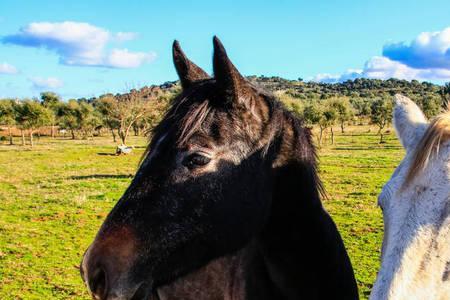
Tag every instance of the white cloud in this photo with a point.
(77, 44)
(326, 78)
(40, 83)
(429, 50)
(6, 68)
(333, 78)
(426, 58)
(384, 68)
(380, 67)
(122, 58)
(125, 36)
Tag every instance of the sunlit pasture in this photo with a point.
(54, 196)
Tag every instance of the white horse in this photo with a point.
(415, 259)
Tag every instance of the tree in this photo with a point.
(7, 116)
(79, 116)
(431, 105)
(445, 94)
(88, 118)
(51, 101)
(104, 107)
(381, 114)
(156, 109)
(361, 107)
(343, 109)
(126, 111)
(30, 115)
(68, 115)
(327, 119)
(322, 114)
(311, 114)
(140, 126)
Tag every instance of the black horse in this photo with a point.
(225, 205)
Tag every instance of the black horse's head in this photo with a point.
(203, 189)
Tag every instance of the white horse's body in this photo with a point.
(416, 246)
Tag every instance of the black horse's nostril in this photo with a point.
(98, 284)
(107, 264)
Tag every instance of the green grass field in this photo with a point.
(54, 197)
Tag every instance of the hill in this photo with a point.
(298, 89)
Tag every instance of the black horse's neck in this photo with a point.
(298, 255)
(296, 185)
(300, 245)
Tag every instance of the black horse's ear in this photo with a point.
(231, 82)
(186, 69)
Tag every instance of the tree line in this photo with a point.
(342, 111)
(338, 104)
(82, 118)
(360, 101)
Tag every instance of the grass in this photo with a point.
(54, 197)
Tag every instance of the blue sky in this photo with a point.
(85, 48)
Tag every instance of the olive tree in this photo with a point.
(361, 107)
(7, 116)
(327, 119)
(311, 114)
(316, 113)
(104, 107)
(125, 112)
(51, 101)
(68, 116)
(445, 95)
(30, 115)
(88, 119)
(381, 114)
(156, 110)
(78, 116)
(343, 110)
(431, 105)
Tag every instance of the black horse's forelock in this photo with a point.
(193, 121)
(187, 113)
(184, 117)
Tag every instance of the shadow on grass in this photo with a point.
(384, 146)
(102, 176)
(106, 154)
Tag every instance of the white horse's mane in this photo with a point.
(437, 133)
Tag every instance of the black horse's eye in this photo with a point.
(196, 160)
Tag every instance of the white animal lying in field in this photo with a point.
(122, 149)
(416, 210)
